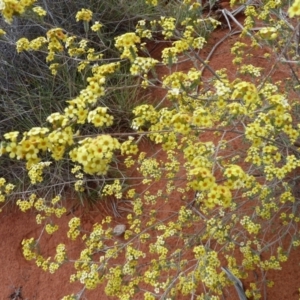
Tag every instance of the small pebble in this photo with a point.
(119, 229)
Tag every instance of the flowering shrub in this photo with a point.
(234, 208)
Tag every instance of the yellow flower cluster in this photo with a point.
(78, 109)
(25, 205)
(249, 22)
(55, 37)
(187, 285)
(181, 123)
(266, 11)
(116, 287)
(235, 176)
(33, 142)
(54, 68)
(10, 8)
(50, 229)
(36, 171)
(79, 184)
(84, 15)
(132, 256)
(201, 179)
(212, 194)
(202, 118)
(41, 205)
(29, 251)
(90, 278)
(218, 195)
(287, 196)
(150, 168)
(251, 227)
(5, 189)
(22, 44)
(198, 153)
(247, 92)
(113, 189)
(268, 33)
(144, 115)
(238, 51)
(251, 70)
(39, 11)
(168, 25)
(169, 56)
(129, 147)
(180, 85)
(256, 133)
(190, 37)
(99, 117)
(271, 264)
(95, 154)
(253, 292)
(184, 215)
(291, 164)
(80, 48)
(172, 166)
(207, 269)
(58, 141)
(97, 26)
(127, 44)
(189, 41)
(251, 258)
(60, 256)
(142, 65)
(142, 31)
(267, 209)
(27, 246)
(74, 228)
(223, 92)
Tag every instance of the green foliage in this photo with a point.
(95, 108)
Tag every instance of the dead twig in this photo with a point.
(17, 294)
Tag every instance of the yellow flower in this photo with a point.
(84, 15)
(268, 33)
(11, 135)
(22, 44)
(294, 10)
(39, 11)
(97, 26)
